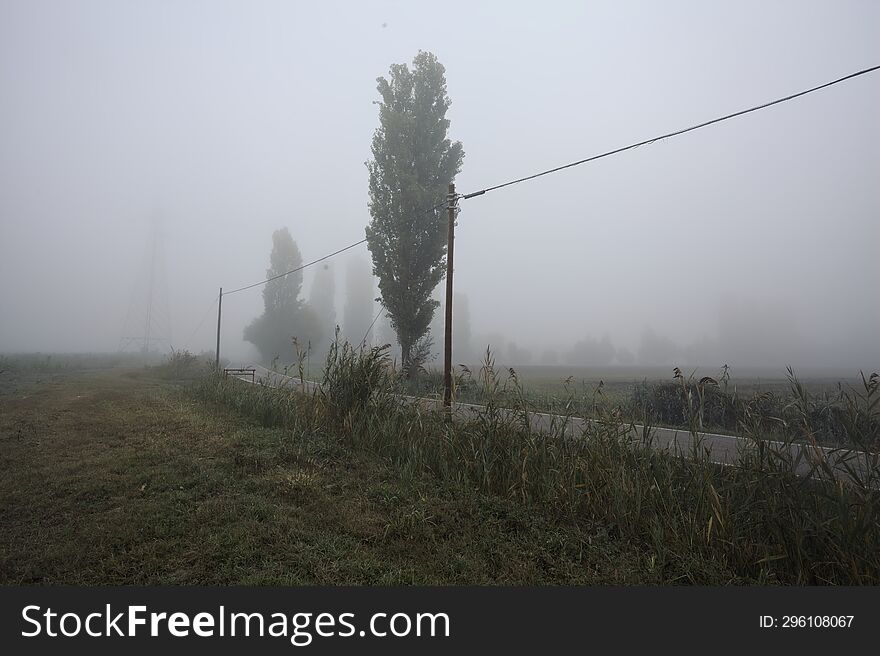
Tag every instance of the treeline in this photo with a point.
(653, 350)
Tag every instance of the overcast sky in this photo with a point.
(228, 120)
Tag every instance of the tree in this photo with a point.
(283, 292)
(413, 162)
(285, 315)
(385, 334)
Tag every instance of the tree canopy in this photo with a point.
(413, 163)
(283, 292)
(285, 315)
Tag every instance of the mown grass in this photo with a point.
(118, 477)
(694, 521)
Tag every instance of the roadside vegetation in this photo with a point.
(694, 521)
(717, 404)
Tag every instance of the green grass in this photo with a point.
(119, 477)
(694, 521)
(174, 475)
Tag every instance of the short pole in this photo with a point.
(219, 308)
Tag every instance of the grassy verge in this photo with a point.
(693, 521)
(118, 477)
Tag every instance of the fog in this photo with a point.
(208, 125)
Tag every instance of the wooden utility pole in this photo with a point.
(219, 307)
(447, 347)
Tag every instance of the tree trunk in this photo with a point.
(405, 356)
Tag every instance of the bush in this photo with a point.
(182, 365)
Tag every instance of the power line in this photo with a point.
(373, 323)
(320, 259)
(671, 134)
(577, 163)
(299, 268)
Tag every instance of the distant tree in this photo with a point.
(322, 300)
(283, 292)
(591, 352)
(413, 162)
(359, 311)
(285, 316)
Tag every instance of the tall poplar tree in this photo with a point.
(413, 162)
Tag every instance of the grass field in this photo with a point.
(123, 474)
(114, 476)
(617, 381)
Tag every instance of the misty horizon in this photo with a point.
(753, 242)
